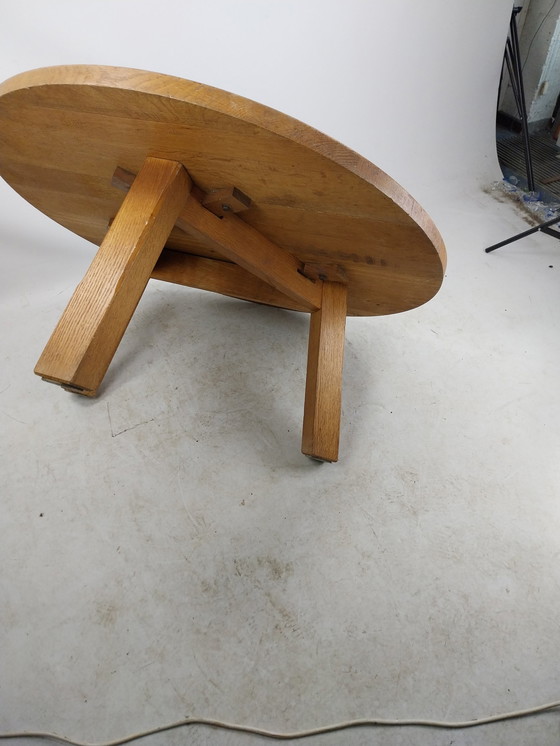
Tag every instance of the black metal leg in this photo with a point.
(544, 227)
(512, 58)
(515, 68)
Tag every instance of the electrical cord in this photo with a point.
(296, 734)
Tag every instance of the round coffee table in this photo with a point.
(187, 183)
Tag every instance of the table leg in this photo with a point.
(323, 391)
(90, 329)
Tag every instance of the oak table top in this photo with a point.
(182, 182)
(65, 130)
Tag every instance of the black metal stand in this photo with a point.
(543, 227)
(512, 58)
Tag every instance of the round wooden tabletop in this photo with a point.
(65, 130)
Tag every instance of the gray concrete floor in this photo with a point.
(167, 551)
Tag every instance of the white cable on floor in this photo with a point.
(296, 734)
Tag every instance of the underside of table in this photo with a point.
(182, 182)
(158, 198)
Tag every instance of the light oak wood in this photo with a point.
(242, 244)
(247, 247)
(319, 227)
(220, 201)
(323, 390)
(90, 329)
(66, 129)
(330, 272)
(219, 277)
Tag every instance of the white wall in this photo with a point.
(399, 82)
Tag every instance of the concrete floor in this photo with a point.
(166, 550)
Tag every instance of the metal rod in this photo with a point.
(518, 74)
(514, 87)
(535, 229)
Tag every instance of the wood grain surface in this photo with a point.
(323, 387)
(246, 247)
(90, 329)
(65, 130)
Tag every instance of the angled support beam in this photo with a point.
(240, 243)
(321, 426)
(221, 277)
(90, 329)
(323, 390)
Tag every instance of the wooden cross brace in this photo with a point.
(160, 197)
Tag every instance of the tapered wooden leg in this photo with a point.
(323, 391)
(90, 329)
